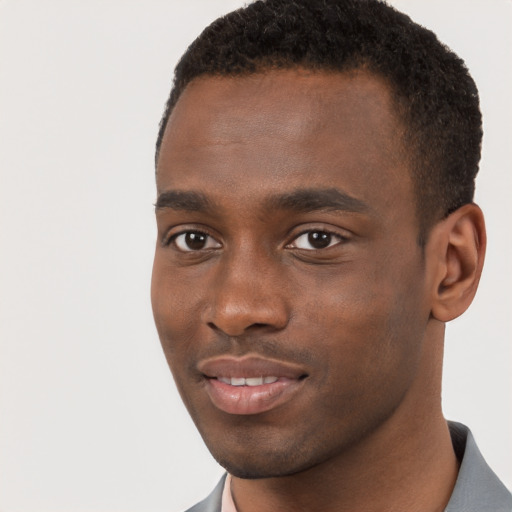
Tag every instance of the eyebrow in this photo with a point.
(301, 200)
(184, 201)
(307, 200)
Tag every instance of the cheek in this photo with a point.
(174, 307)
(370, 358)
(366, 327)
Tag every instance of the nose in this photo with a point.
(246, 295)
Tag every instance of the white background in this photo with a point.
(89, 418)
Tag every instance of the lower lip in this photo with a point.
(251, 399)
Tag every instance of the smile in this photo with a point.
(250, 385)
(249, 381)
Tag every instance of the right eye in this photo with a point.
(190, 241)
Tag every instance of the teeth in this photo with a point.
(254, 381)
(249, 381)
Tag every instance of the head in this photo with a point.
(435, 97)
(315, 170)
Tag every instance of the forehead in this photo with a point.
(284, 129)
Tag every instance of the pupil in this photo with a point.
(195, 240)
(319, 239)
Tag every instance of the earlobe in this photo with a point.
(458, 248)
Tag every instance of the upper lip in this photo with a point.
(249, 366)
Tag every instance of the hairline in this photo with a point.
(263, 67)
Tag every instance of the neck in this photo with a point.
(407, 464)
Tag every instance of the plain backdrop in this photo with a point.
(89, 417)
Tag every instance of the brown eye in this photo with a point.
(316, 240)
(194, 241)
(319, 239)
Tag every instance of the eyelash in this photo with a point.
(331, 234)
(173, 239)
(326, 236)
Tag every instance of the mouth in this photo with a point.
(250, 385)
(248, 381)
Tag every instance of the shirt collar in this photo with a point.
(477, 487)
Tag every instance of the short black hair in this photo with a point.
(436, 98)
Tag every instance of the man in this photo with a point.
(316, 230)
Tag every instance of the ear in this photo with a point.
(456, 249)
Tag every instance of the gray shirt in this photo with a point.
(477, 488)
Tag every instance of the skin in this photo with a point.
(363, 317)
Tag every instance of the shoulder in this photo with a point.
(213, 502)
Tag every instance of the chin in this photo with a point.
(256, 462)
(250, 470)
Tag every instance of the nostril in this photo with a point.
(256, 325)
(235, 318)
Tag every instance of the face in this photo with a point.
(288, 286)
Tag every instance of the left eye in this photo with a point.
(194, 241)
(314, 240)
